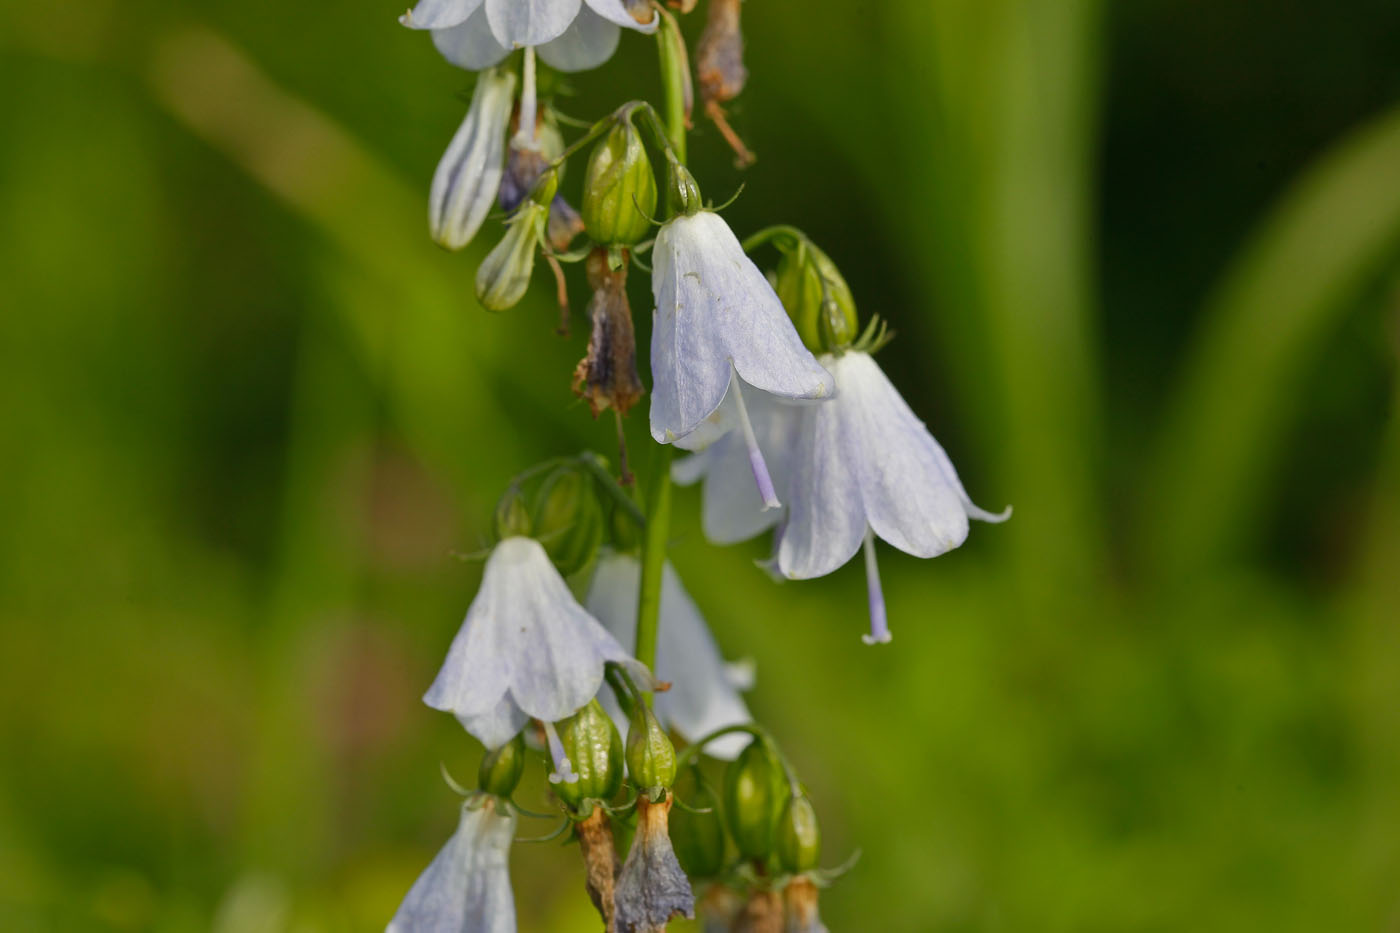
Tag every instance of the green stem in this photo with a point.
(748, 728)
(675, 80)
(657, 530)
(755, 240)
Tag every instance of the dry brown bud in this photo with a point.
(607, 376)
(595, 840)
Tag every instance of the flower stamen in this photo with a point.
(563, 772)
(756, 461)
(879, 626)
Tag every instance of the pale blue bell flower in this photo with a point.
(704, 694)
(468, 177)
(570, 35)
(466, 888)
(526, 650)
(718, 332)
(864, 466)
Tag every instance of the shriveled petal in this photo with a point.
(467, 886)
(702, 697)
(616, 11)
(715, 312)
(826, 517)
(518, 23)
(907, 497)
(464, 185)
(589, 42)
(471, 44)
(439, 14)
(652, 889)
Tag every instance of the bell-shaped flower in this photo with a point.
(468, 177)
(467, 886)
(527, 649)
(718, 326)
(704, 694)
(863, 466)
(570, 35)
(732, 509)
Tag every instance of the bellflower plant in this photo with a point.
(789, 422)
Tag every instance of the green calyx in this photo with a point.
(754, 790)
(595, 749)
(512, 519)
(500, 770)
(816, 296)
(651, 758)
(682, 191)
(504, 275)
(799, 842)
(619, 190)
(568, 519)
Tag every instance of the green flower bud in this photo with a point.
(504, 274)
(512, 518)
(682, 192)
(825, 317)
(595, 749)
(698, 838)
(568, 519)
(501, 769)
(753, 797)
(651, 758)
(799, 837)
(619, 191)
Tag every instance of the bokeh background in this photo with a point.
(1144, 262)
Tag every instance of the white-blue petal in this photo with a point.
(471, 44)
(616, 11)
(439, 14)
(469, 175)
(518, 23)
(587, 43)
(467, 885)
(826, 517)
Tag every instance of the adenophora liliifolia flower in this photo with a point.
(704, 694)
(718, 327)
(864, 466)
(469, 175)
(467, 886)
(570, 35)
(527, 649)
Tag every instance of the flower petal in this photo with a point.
(716, 311)
(616, 11)
(907, 498)
(496, 725)
(467, 885)
(471, 44)
(589, 42)
(702, 697)
(826, 518)
(518, 23)
(439, 14)
(464, 185)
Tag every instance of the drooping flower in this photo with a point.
(570, 35)
(469, 175)
(864, 466)
(526, 649)
(467, 885)
(732, 509)
(704, 694)
(719, 325)
(651, 888)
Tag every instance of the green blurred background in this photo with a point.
(1144, 261)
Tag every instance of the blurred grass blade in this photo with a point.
(1329, 237)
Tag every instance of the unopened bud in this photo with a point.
(817, 298)
(799, 837)
(594, 747)
(568, 519)
(470, 173)
(500, 770)
(512, 519)
(682, 191)
(698, 837)
(619, 191)
(651, 758)
(504, 275)
(753, 790)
